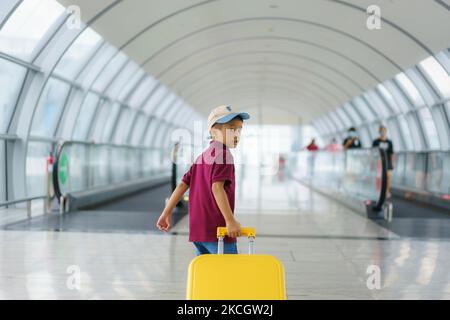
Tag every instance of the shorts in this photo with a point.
(211, 248)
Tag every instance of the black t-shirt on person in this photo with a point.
(388, 147)
(356, 144)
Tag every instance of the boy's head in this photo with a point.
(225, 125)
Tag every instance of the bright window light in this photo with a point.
(437, 75)
(26, 27)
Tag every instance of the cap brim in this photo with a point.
(231, 116)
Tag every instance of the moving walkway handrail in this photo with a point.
(27, 200)
(63, 144)
(359, 173)
(383, 189)
(16, 201)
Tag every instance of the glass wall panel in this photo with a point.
(437, 75)
(356, 119)
(138, 130)
(389, 98)
(111, 120)
(96, 64)
(427, 93)
(130, 85)
(123, 127)
(406, 134)
(364, 135)
(377, 104)
(158, 135)
(162, 109)
(144, 89)
(318, 124)
(447, 110)
(444, 59)
(85, 116)
(442, 126)
(430, 129)
(176, 109)
(394, 134)
(156, 99)
(78, 53)
(36, 168)
(150, 136)
(337, 120)
(415, 132)
(373, 129)
(104, 109)
(400, 99)
(6, 7)
(26, 27)
(122, 79)
(11, 79)
(49, 108)
(2, 171)
(363, 108)
(398, 174)
(415, 166)
(109, 72)
(331, 123)
(438, 173)
(410, 89)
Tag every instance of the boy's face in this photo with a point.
(228, 133)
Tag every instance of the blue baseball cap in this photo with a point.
(224, 114)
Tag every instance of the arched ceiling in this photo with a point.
(302, 57)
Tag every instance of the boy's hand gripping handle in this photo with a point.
(249, 232)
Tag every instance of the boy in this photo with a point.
(211, 183)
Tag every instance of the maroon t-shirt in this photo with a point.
(214, 164)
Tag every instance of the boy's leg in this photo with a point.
(200, 248)
(230, 248)
(211, 248)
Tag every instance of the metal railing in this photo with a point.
(360, 174)
(84, 166)
(425, 172)
(28, 202)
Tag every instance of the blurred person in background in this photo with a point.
(384, 143)
(352, 140)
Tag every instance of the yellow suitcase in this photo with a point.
(236, 276)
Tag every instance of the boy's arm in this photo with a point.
(234, 228)
(164, 221)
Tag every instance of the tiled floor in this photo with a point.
(325, 248)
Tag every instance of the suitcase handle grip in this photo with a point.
(249, 232)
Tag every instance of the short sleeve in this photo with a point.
(345, 141)
(391, 148)
(222, 172)
(374, 144)
(187, 176)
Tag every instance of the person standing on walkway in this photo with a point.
(352, 140)
(384, 143)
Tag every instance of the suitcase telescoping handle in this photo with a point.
(249, 232)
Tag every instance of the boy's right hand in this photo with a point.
(165, 221)
(233, 228)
